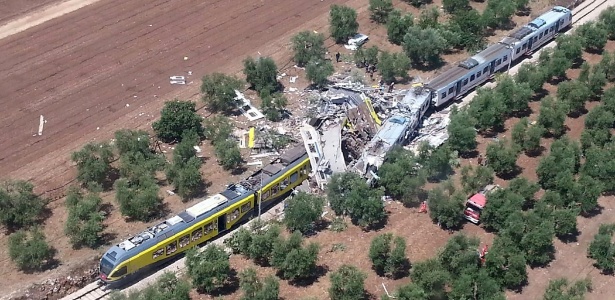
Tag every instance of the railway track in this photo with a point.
(585, 8)
(92, 291)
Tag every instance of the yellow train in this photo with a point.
(205, 220)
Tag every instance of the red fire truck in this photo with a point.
(477, 202)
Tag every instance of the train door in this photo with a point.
(559, 22)
(492, 68)
(222, 223)
(529, 44)
(458, 88)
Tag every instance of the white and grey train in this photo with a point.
(455, 82)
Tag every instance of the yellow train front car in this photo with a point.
(205, 220)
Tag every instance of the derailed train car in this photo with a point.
(457, 81)
(205, 220)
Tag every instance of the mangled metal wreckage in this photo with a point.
(398, 129)
(352, 136)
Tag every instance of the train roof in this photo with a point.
(392, 129)
(489, 54)
(458, 71)
(545, 20)
(205, 208)
(447, 77)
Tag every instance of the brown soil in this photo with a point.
(10, 10)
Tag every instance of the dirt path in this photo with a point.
(41, 16)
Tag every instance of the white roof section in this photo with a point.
(207, 205)
(174, 220)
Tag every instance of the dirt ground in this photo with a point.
(9, 9)
(105, 67)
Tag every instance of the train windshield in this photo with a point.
(105, 266)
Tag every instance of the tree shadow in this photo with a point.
(512, 174)
(404, 271)
(112, 176)
(426, 67)
(539, 94)
(577, 113)
(239, 170)
(230, 286)
(319, 225)
(535, 153)
(557, 80)
(469, 154)
(594, 212)
(319, 272)
(106, 238)
(521, 113)
(376, 226)
(518, 289)
(569, 238)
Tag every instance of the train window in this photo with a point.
(540, 36)
(275, 189)
(472, 77)
(443, 95)
(233, 216)
(121, 272)
(465, 82)
(246, 207)
(535, 39)
(171, 248)
(294, 177)
(450, 91)
(478, 74)
(197, 234)
(285, 183)
(304, 170)
(266, 194)
(505, 57)
(158, 253)
(524, 46)
(518, 50)
(485, 70)
(498, 62)
(184, 241)
(209, 228)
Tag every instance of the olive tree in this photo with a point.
(208, 269)
(84, 223)
(424, 46)
(30, 250)
(397, 26)
(93, 163)
(261, 74)
(342, 22)
(19, 206)
(218, 92)
(308, 46)
(177, 118)
(380, 10)
(347, 283)
(302, 210)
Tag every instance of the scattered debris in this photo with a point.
(248, 110)
(255, 163)
(356, 41)
(41, 123)
(170, 192)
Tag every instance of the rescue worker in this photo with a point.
(337, 57)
